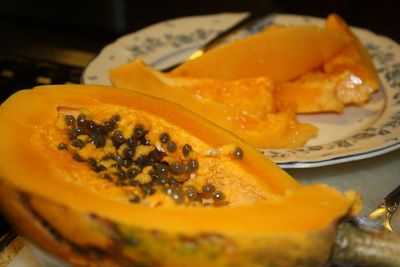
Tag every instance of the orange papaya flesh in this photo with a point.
(218, 144)
(354, 58)
(43, 185)
(347, 78)
(321, 92)
(247, 107)
(131, 244)
(282, 53)
(346, 64)
(318, 93)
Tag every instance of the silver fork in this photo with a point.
(369, 240)
(382, 215)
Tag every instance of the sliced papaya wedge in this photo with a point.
(281, 53)
(247, 107)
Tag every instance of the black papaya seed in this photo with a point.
(208, 188)
(78, 143)
(238, 153)
(218, 196)
(81, 119)
(117, 138)
(70, 121)
(128, 152)
(193, 165)
(178, 196)
(106, 127)
(164, 138)
(78, 157)
(115, 119)
(176, 168)
(138, 131)
(132, 172)
(171, 147)
(134, 199)
(62, 146)
(186, 149)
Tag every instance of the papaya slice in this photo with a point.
(315, 69)
(281, 53)
(354, 58)
(347, 78)
(247, 107)
(102, 176)
(312, 93)
(359, 79)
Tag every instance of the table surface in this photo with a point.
(374, 178)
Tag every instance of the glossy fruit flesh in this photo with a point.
(246, 107)
(43, 187)
(281, 53)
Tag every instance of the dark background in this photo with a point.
(89, 25)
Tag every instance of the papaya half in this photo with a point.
(101, 176)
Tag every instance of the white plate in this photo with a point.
(358, 133)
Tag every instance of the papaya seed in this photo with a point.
(78, 157)
(117, 138)
(148, 189)
(193, 165)
(97, 139)
(91, 126)
(218, 196)
(70, 121)
(81, 120)
(164, 138)
(238, 153)
(132, 172)
(138, 131)
(186, 149)
(178, 196)
(134, 199)
(176, 168)
(114, 119)
(161, 168)
(106, 176)
(106, 127)
(171, 146)
(78, 143)
(208, 188)
(62, 146)
(191, 193)
(126, 162)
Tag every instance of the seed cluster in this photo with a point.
(135, 163)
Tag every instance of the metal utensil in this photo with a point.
(250, 21)
(369, 240)
(381, 216)
(383, 213)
